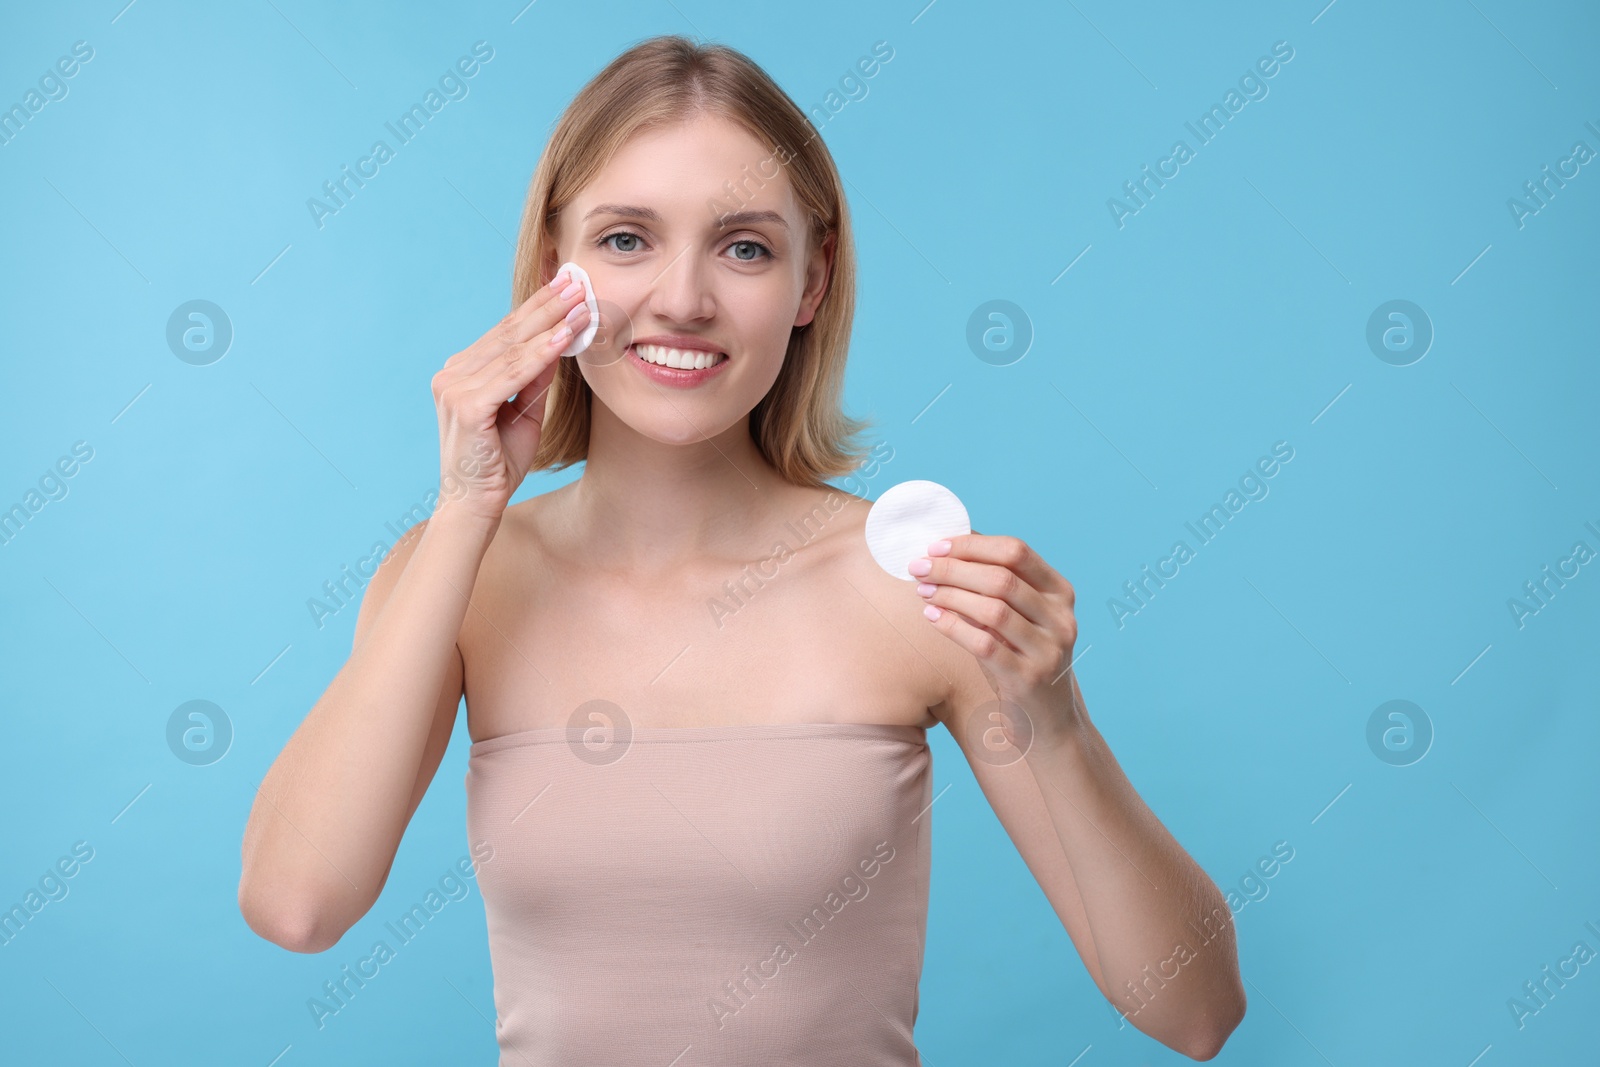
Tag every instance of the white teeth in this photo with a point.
(677, 357)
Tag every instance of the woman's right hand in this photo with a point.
(486, 442)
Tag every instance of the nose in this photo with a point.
(682, 292)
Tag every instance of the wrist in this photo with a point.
(457, 524)
(1073, 741)
(1068, 731)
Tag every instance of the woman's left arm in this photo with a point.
(1162, 932)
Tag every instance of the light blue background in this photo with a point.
(1228, 314)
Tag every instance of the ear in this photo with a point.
(552, 261)
(552, 247)
(819, 271)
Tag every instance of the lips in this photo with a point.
(677, 377)
(679, 356)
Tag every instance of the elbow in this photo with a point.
(1208, 1040)
(295, 929)
(1207, 1049)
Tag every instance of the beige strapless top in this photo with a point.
(751, 895)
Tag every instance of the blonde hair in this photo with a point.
(798, 426)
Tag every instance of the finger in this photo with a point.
(994, 615)
(990, 579)
(528, 405)
(508, 331)
(519, 364)
(522, 417)
(968, 617)
(976, 625)
(988, 647)
(1014, 554)
(544, 310)
(553, 291)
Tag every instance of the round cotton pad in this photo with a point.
(584, 339)
(908, 518)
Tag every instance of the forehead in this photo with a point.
(692, 170)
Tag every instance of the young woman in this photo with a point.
(699, 787)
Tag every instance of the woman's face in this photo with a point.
(657, 233)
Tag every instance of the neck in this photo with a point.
(642, 503)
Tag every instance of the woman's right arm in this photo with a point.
(329, 815)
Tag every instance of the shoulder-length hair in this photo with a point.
(798, 426)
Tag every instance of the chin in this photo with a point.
(678, 421)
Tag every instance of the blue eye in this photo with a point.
(620, 233)
(605, 242)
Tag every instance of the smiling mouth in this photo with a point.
(678, 358)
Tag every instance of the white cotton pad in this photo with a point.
(584, 339)
(908, 518)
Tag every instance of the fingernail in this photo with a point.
(572, 290)
(939, 548)
(931, 612)
(919, 567)
(559, 280)
(577, 310)
(560, 336)
(924, 589)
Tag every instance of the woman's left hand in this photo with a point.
(998, 599)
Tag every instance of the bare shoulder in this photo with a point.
(524, 522)
(518, 554)
(384, 578)
(891, 608)
(833, 523)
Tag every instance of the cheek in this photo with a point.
(762, 316)
(622, 306)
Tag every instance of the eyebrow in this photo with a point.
(732, 218)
